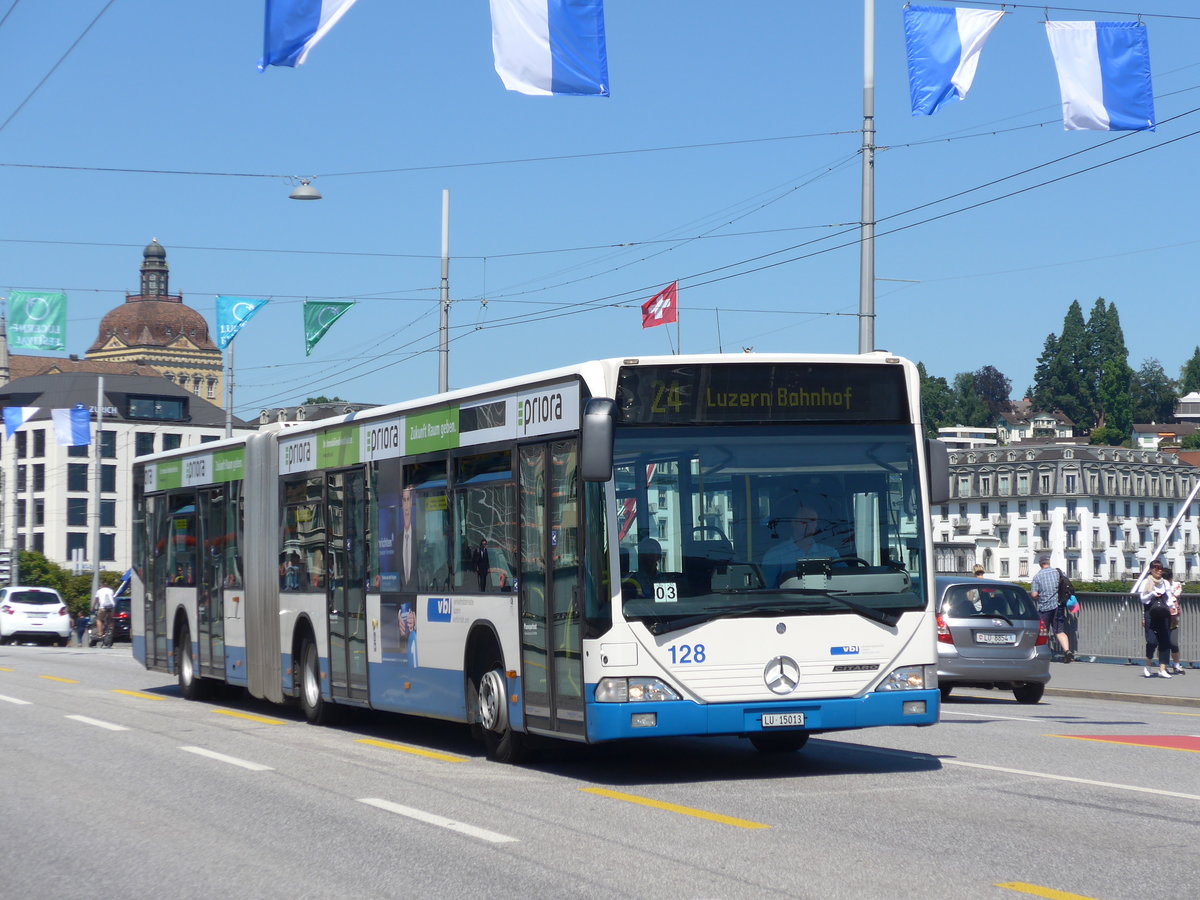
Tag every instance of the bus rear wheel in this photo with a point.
(316, 710)
(783, 742)
(501, 743)
(190, 684)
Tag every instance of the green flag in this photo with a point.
(319, 316)
(37, 321)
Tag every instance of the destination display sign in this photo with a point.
(762, 392)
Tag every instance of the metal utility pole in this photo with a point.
(444, 301)
(866, 249)
(96, 441)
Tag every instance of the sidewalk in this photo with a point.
(1112, 681)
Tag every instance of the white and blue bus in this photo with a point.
(682, 545)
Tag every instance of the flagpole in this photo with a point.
(678, 326)
(96, 486)
(866, 249)
(229, 393)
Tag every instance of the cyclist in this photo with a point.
(102, 608)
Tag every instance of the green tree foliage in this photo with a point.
(1106, 344)
(1153, 393)
(1113, 395)
(76, 590)
(1189, 375)
(312, 401)
(994, 389)
(936, 401)
(969, 408)
(1190, 442)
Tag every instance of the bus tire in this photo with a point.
(316, 710)
(783, 742)
(190, 684)
(501, 743)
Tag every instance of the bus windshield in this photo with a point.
(719, 521)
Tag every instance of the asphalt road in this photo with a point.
(111, 785)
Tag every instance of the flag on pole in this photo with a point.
(319, 316)
(662, 308)
(72, 427)
(16, 416)
(37, 321)
(943, 52)
(232, 314)
(293, 27)
(1103, 75)
(550, 47)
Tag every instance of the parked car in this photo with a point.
(33, 614)
(121, 620)
(989, 636)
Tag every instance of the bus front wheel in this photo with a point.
(499, 740)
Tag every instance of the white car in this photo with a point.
(33, 614)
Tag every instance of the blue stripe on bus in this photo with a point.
(235, 665)
(608, 721)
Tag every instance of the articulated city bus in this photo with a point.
(683, 545)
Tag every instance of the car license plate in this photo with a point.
(783, 720)
(1006, 638)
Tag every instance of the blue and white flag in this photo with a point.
(232, 314)
(550, 46)
(293, 27)
(943, 52)
(1103, 75)
(16, 416)
(72, 427)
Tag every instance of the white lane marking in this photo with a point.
(87, 720)
(15, 700)
(232, 760)
(910, 754)
(429, 818)
(954, 712)
(1107, 784)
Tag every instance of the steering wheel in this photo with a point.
(853, 562)
(700, 530)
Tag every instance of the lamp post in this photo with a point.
(305, 191)
(866, 249)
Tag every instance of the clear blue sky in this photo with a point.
(726, 158)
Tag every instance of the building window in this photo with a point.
(77, 543)
(77, 508)
(108, 445)
(1022, 538)
(1005, 485)
(1044, 483)
(20, 513)
(80, 451)
(212, 389)
(20, 477)
(22, 444)
(108, 547)
(1023, 484)
(1004, 568)
(983, 510)
(39, 513)
(1023, 568)
(108, 479)
(209, 438)
(39, 477)
(77, 476)
(985, 485)
(39, 443)
(143, 443)
(1071, 481)
(108, 514)
(171, 409)
(964, 485)
(172, 441)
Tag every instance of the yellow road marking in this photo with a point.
(1197, 715)
(138, 694)
(1039, 891)
(671, 807)
(56, 678)
(240, 715)
(415, 751)
(6, 669)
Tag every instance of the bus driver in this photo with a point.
(800, 523)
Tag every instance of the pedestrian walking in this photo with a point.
(81, 626)
(1050, 605)
(1156, 600)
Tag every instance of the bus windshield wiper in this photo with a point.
(867, 612)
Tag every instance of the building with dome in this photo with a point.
(156, 328)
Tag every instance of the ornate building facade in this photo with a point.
(156, 328)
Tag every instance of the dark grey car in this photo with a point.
(989, 636)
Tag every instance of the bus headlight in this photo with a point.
(633, 690)
(909, 678)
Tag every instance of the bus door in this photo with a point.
(210, 605)
(346, 577)
(550, 589)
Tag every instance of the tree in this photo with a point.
(323, 399)
(1189, 375)
(1153, 393)
(994, 389)
(1106, 343)
(1113, 395)
(969, 408)
(937, 402)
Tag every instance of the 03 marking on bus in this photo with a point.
(682, 654)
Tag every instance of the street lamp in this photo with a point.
(305, 191)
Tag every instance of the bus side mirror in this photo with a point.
(596, 450)
(937, 461)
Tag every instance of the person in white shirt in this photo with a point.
(102, 609)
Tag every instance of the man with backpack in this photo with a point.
(1046, 590)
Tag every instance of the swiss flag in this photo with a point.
(662, 308)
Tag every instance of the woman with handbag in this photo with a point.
(1157, 602)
